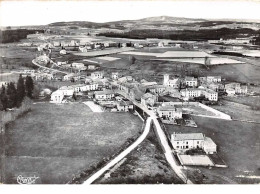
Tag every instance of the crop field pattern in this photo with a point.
(57, 141)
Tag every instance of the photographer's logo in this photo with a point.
(26, 180)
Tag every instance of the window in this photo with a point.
(177, 146)
(187, 142)
(187, 146)
(177, 142)
(198, 142)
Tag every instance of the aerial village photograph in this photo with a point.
(129, 93)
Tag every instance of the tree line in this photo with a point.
(12, 96)
(7, 36)
(188, 35)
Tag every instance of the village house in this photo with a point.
(56, 43)
(66, 90)
(91, 67)
(241, 89)
(126, 79)
(125, 106)
(146, 83)
(59, 63)
(210, 95)
(191, 81)
(169, 112)
(114, 75)
(186, 141)
(191, 92)
(57, 96)
(80, 66)
(68, 77)
(63, 52)
(104, 95)
(156, 89)
(230, 91)
(197, 92)
(149, 99)
(231, 87)
(41, 76)
(174, 83)
(182, 141)
(97, 75)
(125, 87)
(175, 93)
(215, 79)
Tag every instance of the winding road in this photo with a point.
(47, 68)
(162, 137)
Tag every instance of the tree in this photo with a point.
(29, 86)
(11, 95)
(3, 99)
(20, 90)
(133, 60)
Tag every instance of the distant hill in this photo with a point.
(164, 23)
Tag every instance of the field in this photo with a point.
(13, 57)
(238, 145)
(213, 61)
(57, 141)
(103, 52)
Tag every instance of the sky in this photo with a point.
(15, 13)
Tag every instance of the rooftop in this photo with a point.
(187, 136)
(147, 95)
(104, 92)
(188, 78)
(169, 108)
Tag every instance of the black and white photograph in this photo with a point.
(129, 92)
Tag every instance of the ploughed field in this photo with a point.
(54, 142)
